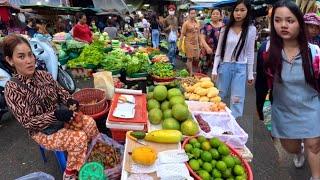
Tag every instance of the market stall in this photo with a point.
(154, 109)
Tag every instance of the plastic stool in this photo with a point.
(60, 156)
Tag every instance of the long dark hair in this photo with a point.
(245, 26)
(274, 62)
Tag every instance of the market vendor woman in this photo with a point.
(32, 96)
(81, 31)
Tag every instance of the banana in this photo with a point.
(164, 136)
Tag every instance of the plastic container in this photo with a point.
(102, 113)
(233, 152)
(36, 176)
(92, 170)
(86, 97)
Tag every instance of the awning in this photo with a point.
(202, 4)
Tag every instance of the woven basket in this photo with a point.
(92, 101)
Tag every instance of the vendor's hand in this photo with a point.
(73, 104)
(250, 82)
(214, 77)
(64, 114)
(209, 51)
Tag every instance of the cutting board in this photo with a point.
(130, 145)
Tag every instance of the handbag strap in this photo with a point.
(17, 81)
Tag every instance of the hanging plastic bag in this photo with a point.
(107, 152)
(103, 80)
(37, 176)
(173, 36)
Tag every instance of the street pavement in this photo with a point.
(19, 155)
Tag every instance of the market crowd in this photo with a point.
(288, 61)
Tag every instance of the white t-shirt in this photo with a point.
(247, 54)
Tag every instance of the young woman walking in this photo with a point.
(209, 39)
(233, 63)
(296, 91)
(191, 32)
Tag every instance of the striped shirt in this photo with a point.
(26, 108)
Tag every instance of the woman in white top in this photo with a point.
(233, 64)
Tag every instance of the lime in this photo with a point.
(204, 175)
(213, 163)
(200, 162)
(215, 142)
(221, 166)
(188, 148)
(216, 173)
(214, 154)
(240, 178)
(205, 146)
(218, 179)
(197, 145)
(230, 178)
(193, 141)
(227, 173)
(237, 160)
(229, 161)
(206, 156)
(201, 139)
(194, 164)
(207, 166)
(238, 170)
(196, 152)
(223, 150)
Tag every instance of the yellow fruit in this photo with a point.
(204, 99)
(144, 155)
(164, 136)
(206, 84)
(216, 99)
(187, 95)
(212, 92)
(205, 79)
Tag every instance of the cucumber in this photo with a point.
(138, 134)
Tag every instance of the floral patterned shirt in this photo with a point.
(211, 35)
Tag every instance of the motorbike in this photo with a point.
(46, 59)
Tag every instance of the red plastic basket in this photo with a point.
(86, 96)
(233, 152)
(102, 113)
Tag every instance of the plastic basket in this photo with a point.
(92, 170)
(159, 79)
(232, 151)
(102, 113)
(86, 96)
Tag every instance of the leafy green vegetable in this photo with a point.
(183, 73)
(163, 70)
(91, 55)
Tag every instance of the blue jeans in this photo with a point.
(155, 38)
(232, 77)
(172, 52)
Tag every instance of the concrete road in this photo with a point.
(19, 155)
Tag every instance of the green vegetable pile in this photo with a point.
(162, 70)
(114, 61)
(138, 63)
(183, 73)
(91, 55)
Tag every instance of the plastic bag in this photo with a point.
(114, 172)
(103, 80)
(37, 176)
(172, 36)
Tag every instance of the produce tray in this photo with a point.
(140, 110)
(130, 145)
(232, 151)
